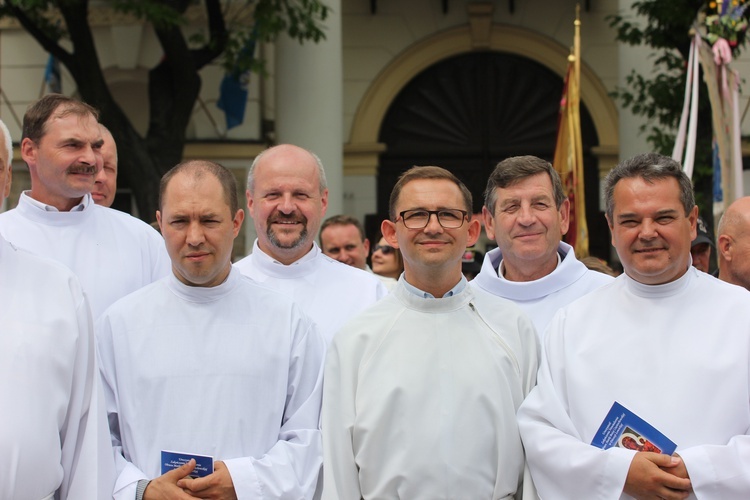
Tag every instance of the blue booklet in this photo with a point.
(204, 464)
(623, 428)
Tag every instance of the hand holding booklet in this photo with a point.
(623, 428)
(204, 464)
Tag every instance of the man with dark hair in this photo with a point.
(527, 213)
(645, 341)
(208, 362)
(342, 237)
(53, 439)
(287, 198)
(422, 388)
(112, 253)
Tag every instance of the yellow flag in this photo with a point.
(568, 159)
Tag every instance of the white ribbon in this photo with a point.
(691, 104)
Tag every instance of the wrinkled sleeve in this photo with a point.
(562, 465)
(86, 455)
(289, 470)
(127, 474)
(719, 471)
(340, 472)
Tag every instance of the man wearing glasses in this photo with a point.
(422, 388)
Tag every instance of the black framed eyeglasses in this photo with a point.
(448, 218)
(386, 249)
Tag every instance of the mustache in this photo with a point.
(292, 217)
(82, 168)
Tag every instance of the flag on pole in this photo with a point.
(52, 75)
(233, 90)
(568, 160)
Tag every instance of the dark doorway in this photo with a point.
(471, 111)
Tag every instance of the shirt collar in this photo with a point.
(268, 259)
(501, 272)
(425, 295)
(85, 201)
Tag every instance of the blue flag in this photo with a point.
(233, 99)
(233, 90)
(52, 75)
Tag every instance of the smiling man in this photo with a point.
(421, 389)
(527, 213)
(208, 362)
(287, 198)
(645, 342)
(111, 252)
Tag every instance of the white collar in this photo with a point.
(85, 201)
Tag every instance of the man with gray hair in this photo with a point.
(287, 198)
(734, 244)
(645, 341)
(53, 439)
(527, 213)
(112, 253)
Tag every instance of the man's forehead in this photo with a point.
(341, 232)
(440, 193)
(641, 190)
(86, 125)
(277, 176)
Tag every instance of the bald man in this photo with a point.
(734, 244)
(105, 182)
(287, 198)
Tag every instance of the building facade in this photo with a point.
(457, 83)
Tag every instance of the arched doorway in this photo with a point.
(470, 111)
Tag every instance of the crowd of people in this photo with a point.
(144, 366)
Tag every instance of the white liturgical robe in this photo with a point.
(327, 290)
(541, 298)
(420, 398)
(232, 371)
(111, 252)
(677, 355)
(53, 429)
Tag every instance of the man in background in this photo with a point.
(734, 244)
(342, 237)
(105, 182)
(287, 198)
(527, 213)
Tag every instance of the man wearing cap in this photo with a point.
(700, 248)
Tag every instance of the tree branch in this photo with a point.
(219, 36)
(47, 43)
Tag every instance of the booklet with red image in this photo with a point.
(623, 428)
